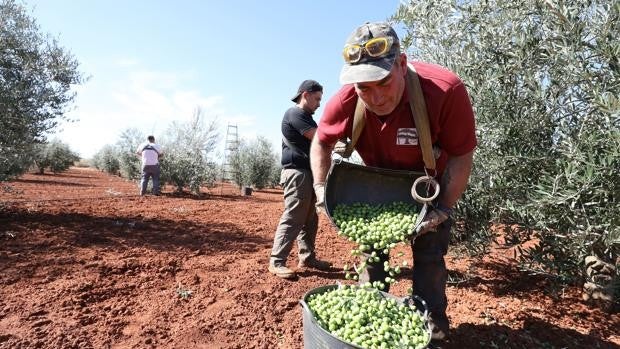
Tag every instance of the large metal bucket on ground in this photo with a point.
(316, 337)
(348, 183)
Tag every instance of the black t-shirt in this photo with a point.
(295, 122)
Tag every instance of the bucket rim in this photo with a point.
(405, 301)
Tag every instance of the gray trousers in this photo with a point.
(149, 171)
(299, 220)
(429, 272)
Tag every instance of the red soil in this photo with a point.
(87, 263)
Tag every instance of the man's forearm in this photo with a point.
(455, 178)
(320, 159)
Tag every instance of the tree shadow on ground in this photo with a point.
(504, 279)
(38, 233)
(215, 195)
(535, 334)
(332, 274)
(51, 182)
(63, 174)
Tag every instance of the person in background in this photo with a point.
(150, 153)
(299, 220)
(375, 71)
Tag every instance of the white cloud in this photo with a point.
(127, 62)
(146, 100)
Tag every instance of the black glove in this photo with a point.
(433, 219)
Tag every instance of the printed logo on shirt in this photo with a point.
(407, 136)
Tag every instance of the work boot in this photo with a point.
(281, 271)
(438, 335)
(439, 332)
(315, 263)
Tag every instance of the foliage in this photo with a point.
(56, 156)
(276, 172)
(36, 76)
(263, 164)
(254, 164)
(13, 162)
(183, 293)
(106, 160)
(187, 148)
(239, 165)
(544, 77)
(129, 162)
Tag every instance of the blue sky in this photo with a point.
(153, 62)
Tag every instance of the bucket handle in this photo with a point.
(409, 301)
(425, 315)
(418, 221)
(429, 181)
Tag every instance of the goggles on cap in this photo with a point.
(376, 47)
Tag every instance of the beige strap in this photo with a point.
(420, 117)
(359, 120)
(345, 148)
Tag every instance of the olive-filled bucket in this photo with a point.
(316, 337)
(349, 183)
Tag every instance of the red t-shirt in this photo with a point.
(394, 144)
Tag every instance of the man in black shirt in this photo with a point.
(299, 219)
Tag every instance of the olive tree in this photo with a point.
(106, 159)
(36, 75)
(239, 165)
(127, 144)
(255, 164)
(544, 77)
(55, 156)
(276, 171)
(187, 153)
(263, 163)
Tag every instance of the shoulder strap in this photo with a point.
(150, 147)
(420, 117)
(359, 120)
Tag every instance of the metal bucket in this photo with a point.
(316, 337)
(349, 183)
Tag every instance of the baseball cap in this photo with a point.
(370, 68)
(307, 86)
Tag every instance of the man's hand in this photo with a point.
(342, 148)
(432, 220)
(319, 190)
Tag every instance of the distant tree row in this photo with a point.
(188, 162)
(55, 156)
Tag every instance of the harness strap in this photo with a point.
(420, 117)
(150, 147)
(359, 121)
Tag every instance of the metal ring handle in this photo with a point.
(429, 181)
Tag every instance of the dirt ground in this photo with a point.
(87, 263)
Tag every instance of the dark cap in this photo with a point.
(370, 68)
(307, 86)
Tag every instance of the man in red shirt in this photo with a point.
(375, 71)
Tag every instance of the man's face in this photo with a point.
(313, 101)
(383, 96)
